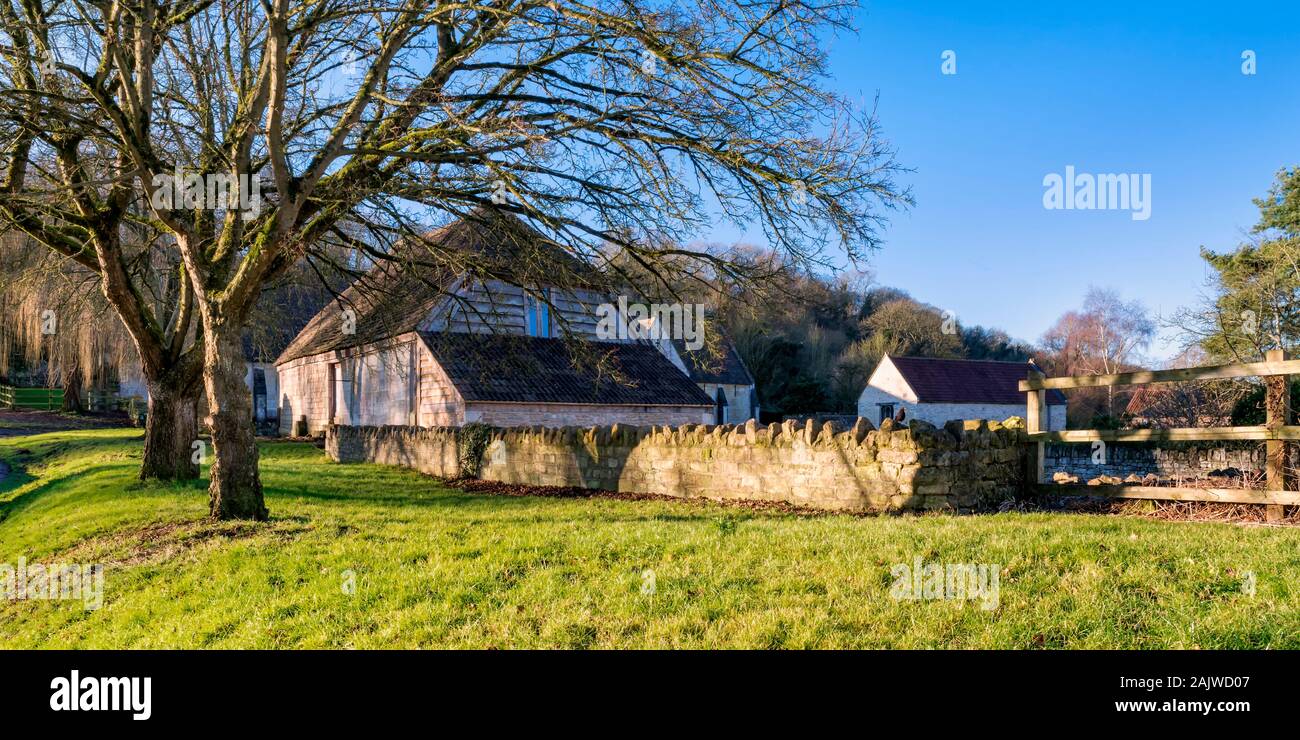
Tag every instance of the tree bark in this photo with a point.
(236, 488)
(72, 390)
(170, 431)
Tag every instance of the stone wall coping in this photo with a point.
(918, 435)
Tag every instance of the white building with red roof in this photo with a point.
(938, 390)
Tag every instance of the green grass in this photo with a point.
(436, 567)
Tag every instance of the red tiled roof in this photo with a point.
(967, 381)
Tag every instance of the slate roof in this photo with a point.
(724, 366)
(398, 294)
(523, 369)
(967, 381)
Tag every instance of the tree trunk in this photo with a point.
(170, 431)
(72, 390)
(236, 488)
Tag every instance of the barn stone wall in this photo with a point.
(304, 392)
(430, 451)
(962, 466)
(738, 406)
(385, 389)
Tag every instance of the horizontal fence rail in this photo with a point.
(1181, 434)
(1163, 493)
(1145, 377)
(1275, 433)
(48, 399)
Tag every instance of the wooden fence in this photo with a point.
(48, 399)
(51, 399)
(100, 401)
(1276, 431)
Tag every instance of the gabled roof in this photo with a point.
(967, 381)
(397, 295)
(523, 369)
(721, 366)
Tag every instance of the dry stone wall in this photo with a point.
(1170, 460)
(961, 466)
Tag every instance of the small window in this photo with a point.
(538, 314)
(886, 411)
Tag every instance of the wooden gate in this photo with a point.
(1276, 431)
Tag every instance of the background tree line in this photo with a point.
(812, 341)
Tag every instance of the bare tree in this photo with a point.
(615, 122)
(1103, 338)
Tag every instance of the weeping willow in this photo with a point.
(56, 328)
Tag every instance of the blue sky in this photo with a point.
(1109, 87)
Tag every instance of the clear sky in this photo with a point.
(1108, 87)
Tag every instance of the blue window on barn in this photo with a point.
(538, 312)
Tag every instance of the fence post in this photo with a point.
(1035, 402)
(1277, 413)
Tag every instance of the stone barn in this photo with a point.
(468, 340)
(722, 374)
(938, 390)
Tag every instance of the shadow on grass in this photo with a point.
(11, 506)
(11, 478)
(510, 510)
(21, 452)
(108, 464)
(390, 496)
(83, 479)
(17, 455)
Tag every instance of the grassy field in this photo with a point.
(437, 567)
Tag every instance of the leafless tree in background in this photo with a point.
(1105, 337)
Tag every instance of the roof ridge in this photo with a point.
(960, 359)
